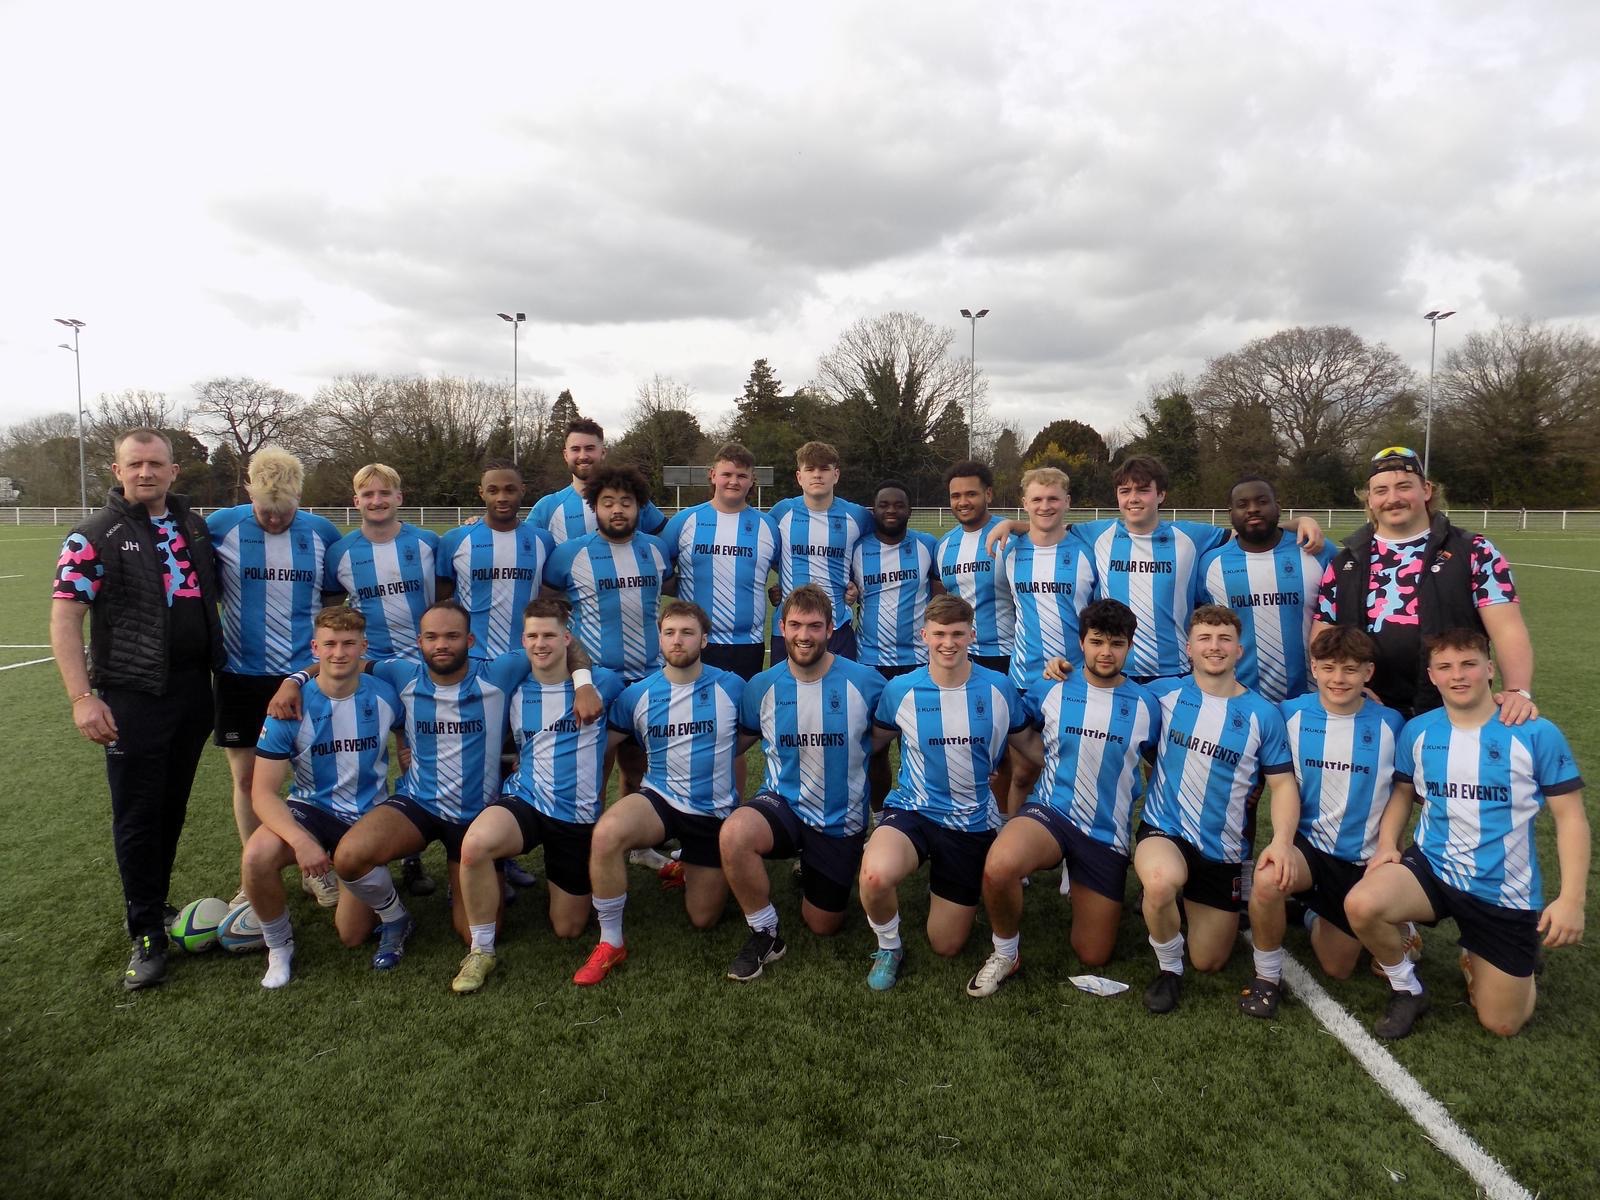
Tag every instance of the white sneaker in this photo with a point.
(325, 891)
(996, 969)
(238, 898)
(279, 960)
(648, 857)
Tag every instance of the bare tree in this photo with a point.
(132, 408)
(663, 428)
(1324, 387)
(246, 414)
(40, 456)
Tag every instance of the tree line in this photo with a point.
(1516, 424)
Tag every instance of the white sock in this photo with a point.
(1169, 954)
(1403, 976)
(1066, 882)
(1006, 946)
(279, 969)
(763, 920)
(375, 889)
(1269, 964)
(610, 914)
(278, 932)
(482, 937)
(888, 932)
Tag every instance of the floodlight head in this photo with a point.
(65, 345)
(70, 321)
(1431, 315)
(967, 313)
(504, 316)
(1449, 312)
(982, 312)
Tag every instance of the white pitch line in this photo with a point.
(28, 646)
(1403, 1087)
(1542, 566)
(32, 662)
(10, 576)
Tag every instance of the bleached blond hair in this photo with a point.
(276, 477)
(381, 472)
(1046, 477)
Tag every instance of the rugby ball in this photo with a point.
(195, 927)
(240, 932)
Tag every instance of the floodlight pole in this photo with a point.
(1432, 317)
(516, 406)
(972, 373)
(77, 365)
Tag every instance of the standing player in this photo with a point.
(1409, 574)
(271, 563)
(968, 569)
(1096, 726)
(567, 514)
(493, 567)
(1051, 578)
(894, 572)
(1196, 832)
(686, 718)
(613, 578)
(339, 752)
(813, 714)
(722, 552)
(455, 721)
(1270, 581)
(953, 718)
(387, 568)
(817, 533)
(1482, 783)
(553, 799)
(1343, 745)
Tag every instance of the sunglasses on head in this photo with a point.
(1396, 452)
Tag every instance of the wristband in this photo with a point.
(299, 678)
(1524, 693)
(86, 695)
(582, 678)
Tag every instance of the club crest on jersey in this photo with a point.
(366, 710)
(1366, 737)
(833, 701)
(1288, 566)
(1160, 539)
(1238, 721)
(1493, 749)
(302, 543)
(410, 554)
(837, 524)
(1122, 708)
(702, 695)
(980, 708)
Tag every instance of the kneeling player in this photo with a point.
(1343, 747)
(1217, 738)
(553, 799)
(954, 719)
(339, 749)
(1095, 727)
(1481, 784)
(686, 718)
(813, 714)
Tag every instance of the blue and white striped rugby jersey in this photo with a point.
(968, 570)
(689, 732)
(392, 583)
(1481, 790)
(817, 737)
(815, 547)
(560, 763)
(951, 741)
(1275, 594)
(615, 589)
(896, 582)
(1210, 753)
(1094, 741)
(1155, 574)
(455, 732)
(1051, 585)
(339, 749)
(1345, 768)
(272, 586)
(722, 561)
(495, 573)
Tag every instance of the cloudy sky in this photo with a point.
(298, 191)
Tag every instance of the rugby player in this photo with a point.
(1197, 827)
(493, 567)
(813, 716)
(817, 533)
(1481, 783)
(567, 514)
(686, 718)
(338, 751)
(1092, 731)
(953, 717)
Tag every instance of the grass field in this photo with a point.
(670, 1080)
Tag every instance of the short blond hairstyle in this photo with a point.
(381, 472)
(276, 477)
(1047, 477)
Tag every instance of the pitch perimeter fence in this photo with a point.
(934, 520)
